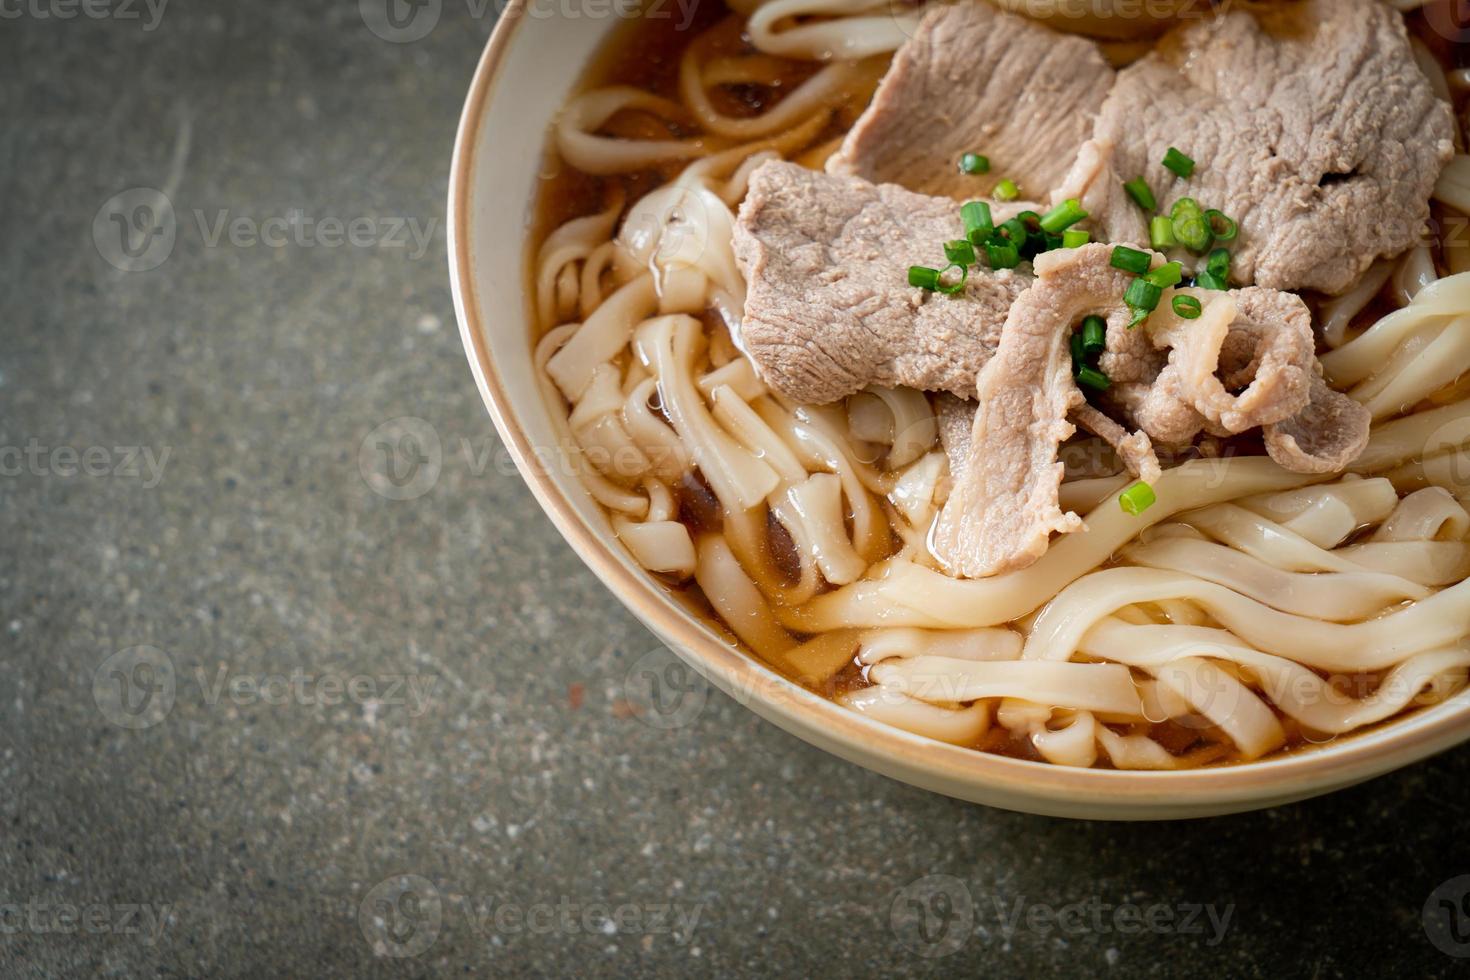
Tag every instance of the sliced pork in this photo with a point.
(829, 309)
(977, 79)
(1310, 124)
(1325, 436)
(1004, 507)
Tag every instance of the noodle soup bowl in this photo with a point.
(528, 70)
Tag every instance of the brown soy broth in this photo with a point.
(646, 53)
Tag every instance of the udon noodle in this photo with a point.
(1251, 610)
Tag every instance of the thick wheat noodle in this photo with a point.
(1335, 596)
(904, 594)
(853, 28)
(1376, 644)
(1297, 691)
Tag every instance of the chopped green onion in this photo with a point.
(1208, 280)
(1079, 352)
(979, 226)
(1015, 230)
(1187, 307)
(1161, 233)
(1002, 254)
(1166, 275)
(1222, 225)
(1062, 217)
(960, 252)
(1031, 220)
(933, 279)
(1130, 260)
(1007, 190)
(1094, 335)
(1143, 295)
(1142, 194)
(1075, 238)
(974, 163)
(1093, 378)
(1218, 264)
(1140, 314)
(954, 287)
(923, 277)
(1178, 163)
(1137, 498)
(1191, 227)
(1051, 241)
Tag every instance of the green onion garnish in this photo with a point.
(1187, 307)
(954, 287)
(1093, 378)
(1143, 295)
(1218, 264)
(1075, 238)
(1191, 227)
(1137, 498)
(1079, 352)
(1094, 335)
(1139, 315)
(974, 163)
(1141, 193)
(1222, 225)
(978, 224)
(1161, 233)
(960, 252)
(1177, 162)
(1007, 190)
(1002, 254)
(923, 277)
(1062, 217)
(1130, 260)
(1208, 280)
(1166, 275)
(1015, 230)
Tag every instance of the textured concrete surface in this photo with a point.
(259, 719)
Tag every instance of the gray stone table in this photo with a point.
(259, 720)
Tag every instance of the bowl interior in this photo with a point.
(530, 67)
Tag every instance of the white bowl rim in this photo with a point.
(943, 767)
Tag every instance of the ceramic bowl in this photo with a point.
(530, 66)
